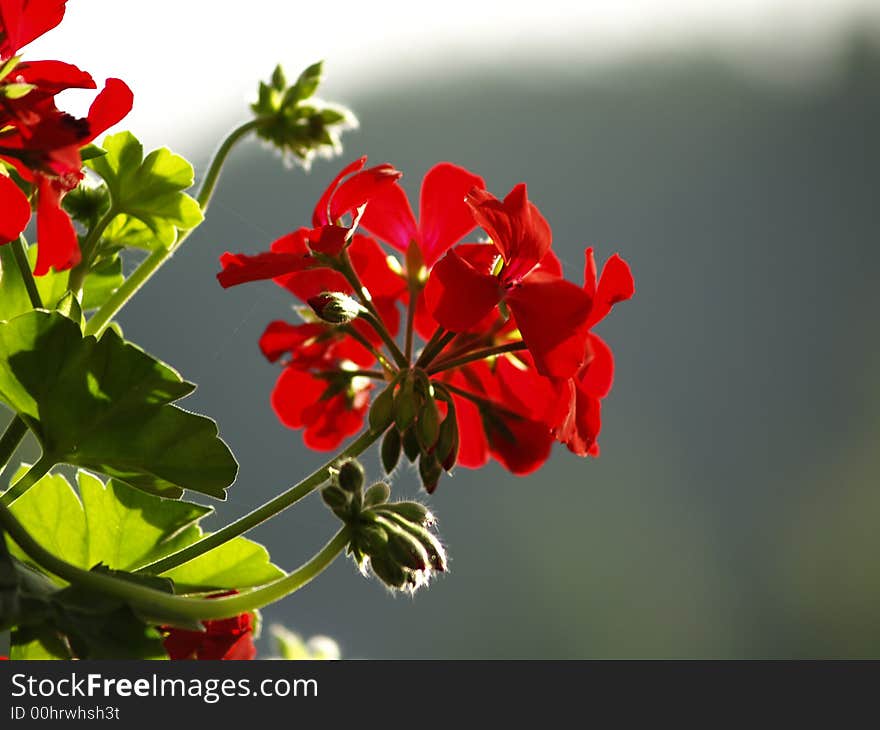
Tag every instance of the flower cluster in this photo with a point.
(40, 143)
(510, 363)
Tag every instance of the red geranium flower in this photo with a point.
(228, 638)
(23, 21)
(469, 282)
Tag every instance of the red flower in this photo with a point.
(41, 142)
(23, 21)
(16, 210)
(444, 217)
(471, 280)
(228, 638)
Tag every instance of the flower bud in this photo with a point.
(411, 445)
(410, 511)
(389, 572)
(338, 501)
(371, 539)
(446, 448)
(334, 307)
(430, 471)
(382, 410)
(405, 402)
(351, 476)
(377, 495)
(391, 450)
(435, 551)
(428, 425)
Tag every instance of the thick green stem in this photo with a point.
(78, 274)
(410, 317)
(19, 252)
(154, 261)
(10, 440)
(31, 477)
(478, 355)
(158, 604)
(261, 514)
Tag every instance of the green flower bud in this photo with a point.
(428, 425)
(446, 448)
(351, 476)
(430, 471)
(389, 572)
(411, 445)
(406, 551)
(391, 450)
(376, 495)
(405, 403)
(410, 511)
(335, 307)
(435, 550)
(382, 410)
(337, 500)
(371, 539)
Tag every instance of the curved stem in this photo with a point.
(160, 605)
(206, 191)
(355, 335)
(11, 438)
(377, 324)
(261, 514)
(154, 261)
(435, 347)
(19, 252)
(479, 400)
(31, 477)
(478, 355)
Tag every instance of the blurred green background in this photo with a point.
(734, 510)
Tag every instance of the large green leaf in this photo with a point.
(147, 189)
(123, 529)
(106, 405)
(104, 279)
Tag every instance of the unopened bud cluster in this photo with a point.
(296, 123)
(393, 539)
(418, 429)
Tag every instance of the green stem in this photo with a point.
(261, 514)
(78, 274)
(154, 261)
(11, 438)
(31, 477)
(480, 401)
(435, 347)
(344, 266)
(376, 374)
(158, 604)
(478, 355)
(410, 317)
(19, 252)
(355, 335)
(206, 191)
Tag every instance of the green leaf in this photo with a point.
(149, 189)
(106, 405)
(104, 279)
(116, 527)
(239, 563)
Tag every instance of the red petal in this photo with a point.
(389, 217)
(321, 217)
(328, 240)
(294, 392)
(58, 247)
(240, 268)
(25, 20)
(515, 226)
(371, 264)
(615, 285)
(52, 77)
(598, 375)
(16, 210)
(312, 280)
(444, 217)
(360, 188)
(459, 296)
(581, 431)
(551, 314)
(474, 449)
(109, 108)
(520, 444)
(280, 338)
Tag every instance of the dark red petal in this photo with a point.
(515, 226)
(615, 285)
(551, 313)
(371, 264)
(52, 77)
(597, 376)
(109, 108)
(320, 217)
(358, 189)
(58, 247)
(240, 268)
(474, 449)
(280, 338)
(328, 240)
(25, 20)
(583, 429)
(388, 216)
(457, 295)
(330, 421)
(444, 217)
(16, 210)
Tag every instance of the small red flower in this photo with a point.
(469, 282)
(23, 21)
(228, 638)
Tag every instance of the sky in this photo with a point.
(188, 59)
